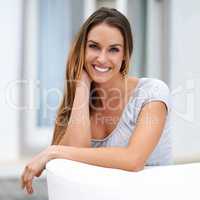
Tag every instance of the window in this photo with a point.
(137, 14)
(49, 29)
(106, 3)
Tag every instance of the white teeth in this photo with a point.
(102, 69)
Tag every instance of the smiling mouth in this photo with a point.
(100, 69)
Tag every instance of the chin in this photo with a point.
(100, 79)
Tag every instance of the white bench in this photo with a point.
(70, 180)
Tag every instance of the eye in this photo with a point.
(93, 46)
(114, 49)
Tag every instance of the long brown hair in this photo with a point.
(76, 60)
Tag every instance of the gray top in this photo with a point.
(147, 90)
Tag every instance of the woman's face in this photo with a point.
(104, 53)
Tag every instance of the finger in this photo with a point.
(23, 177)
(29, 187)
(26, 177)
(22, 180)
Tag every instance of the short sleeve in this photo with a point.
(157, 90)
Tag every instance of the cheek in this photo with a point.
(90, 55)
(117, 60)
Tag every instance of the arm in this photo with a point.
(132, 158)
(110, 157)
(78, 131)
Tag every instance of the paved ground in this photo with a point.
(10, 190)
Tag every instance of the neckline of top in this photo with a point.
(125, 108)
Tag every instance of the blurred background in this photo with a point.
(35, 37)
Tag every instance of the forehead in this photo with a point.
(104, 33)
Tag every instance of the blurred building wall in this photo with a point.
(10, 62)
(184, 77)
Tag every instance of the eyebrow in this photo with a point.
(112, 45)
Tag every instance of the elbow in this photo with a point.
(135, 167)
(135, 163)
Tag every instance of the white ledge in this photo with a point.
(73, 180)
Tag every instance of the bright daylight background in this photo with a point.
(35, 36)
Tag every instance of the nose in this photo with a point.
(102, 57)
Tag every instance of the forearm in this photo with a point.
(78, 131)
(112, 157)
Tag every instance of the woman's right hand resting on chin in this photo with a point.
(85, 79)
(78, 131)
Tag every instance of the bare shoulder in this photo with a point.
(132, 82)
(133, 78)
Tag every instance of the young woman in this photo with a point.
(126, 117)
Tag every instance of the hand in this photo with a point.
(85, 79)
(34, 168)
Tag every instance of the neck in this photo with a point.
(115, 89)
